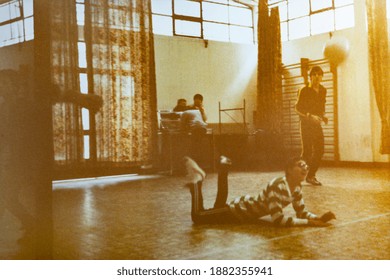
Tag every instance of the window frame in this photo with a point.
(333, 7)
(200, 20)
(22, 36)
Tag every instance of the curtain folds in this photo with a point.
(64, 60)
(276, 70)
(269, 82)
(121, 65)
(378, 45)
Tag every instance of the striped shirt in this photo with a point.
(271, 201)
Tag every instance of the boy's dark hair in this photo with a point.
(198, 96)
(291, 163)
(316, 69)
(179, 107)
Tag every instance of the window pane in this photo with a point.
(5, 32)
(388, 8)
(345, 17)
(283, 11)
(4, 13)
(322, 22)
(241, 34)
(85, 118)
(299, 28)
(215, 31)
(162, 25)
(215, 12)
(14, 9)
(284, 31)
(240, 16)
(162, 7)
(80, 8)
(118, 19)
(82, 55)
(338, 3)
(17, 30)
(133, 24)
(189, 28)
(83, 83)
(187, 8)
(27, 8)
(86, 147)
(127, 85)
(9, 11)
(320, 4)
(298, 8)
(29, 28)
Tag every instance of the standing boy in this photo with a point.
(311, 110)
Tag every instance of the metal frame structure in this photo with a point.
(226, 111)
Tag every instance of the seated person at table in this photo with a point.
(194, 118)
(192, 121)
(198, 105)
(181, 105)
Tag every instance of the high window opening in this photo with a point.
(219, 20)
(16, 22)
(303, 18)
(82, 53)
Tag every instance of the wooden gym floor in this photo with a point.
(148, 217)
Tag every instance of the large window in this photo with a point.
(388, 9)
(220, 20)
(16, 22)
(82, 53)
(302, 18)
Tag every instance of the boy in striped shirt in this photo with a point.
(279, 193)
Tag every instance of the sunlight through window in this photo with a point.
(324, 16)
(16, 22)
(219, 20)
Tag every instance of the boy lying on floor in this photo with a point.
(279, 193)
